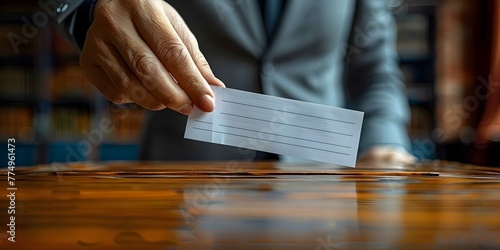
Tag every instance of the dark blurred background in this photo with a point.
(55, 114)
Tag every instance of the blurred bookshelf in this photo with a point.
(416, 43)
(47, 104)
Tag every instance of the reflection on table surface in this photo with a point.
(241, 205)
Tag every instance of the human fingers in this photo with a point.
(139, 64)
(192, 45)
(158, 32)
(387, 155)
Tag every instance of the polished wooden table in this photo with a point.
(242, 205)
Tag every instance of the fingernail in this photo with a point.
(187, 109)
(208, 103)
(223, 85)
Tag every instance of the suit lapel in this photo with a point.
(249, 28)
(289, 20)
(251, 33)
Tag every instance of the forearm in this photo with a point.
(374, 80)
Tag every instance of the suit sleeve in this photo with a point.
(374, 81)
(75, 20)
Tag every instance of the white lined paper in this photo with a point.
(278, 125)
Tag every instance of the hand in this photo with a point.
(387, 155)
(142, 51)
(487, 133)
(489, 125)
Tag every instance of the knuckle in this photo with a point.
(204, 66)
(143, 64)
(173, 53)
(202, 61)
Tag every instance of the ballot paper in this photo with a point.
(278, 125)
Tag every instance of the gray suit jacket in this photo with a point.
(334, 52)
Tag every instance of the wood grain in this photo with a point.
(242, 205)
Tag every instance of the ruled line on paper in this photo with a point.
(210, 123)
(279, 125)
(297, 126)
(291, 137)
(289, 144)
(295, 113)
